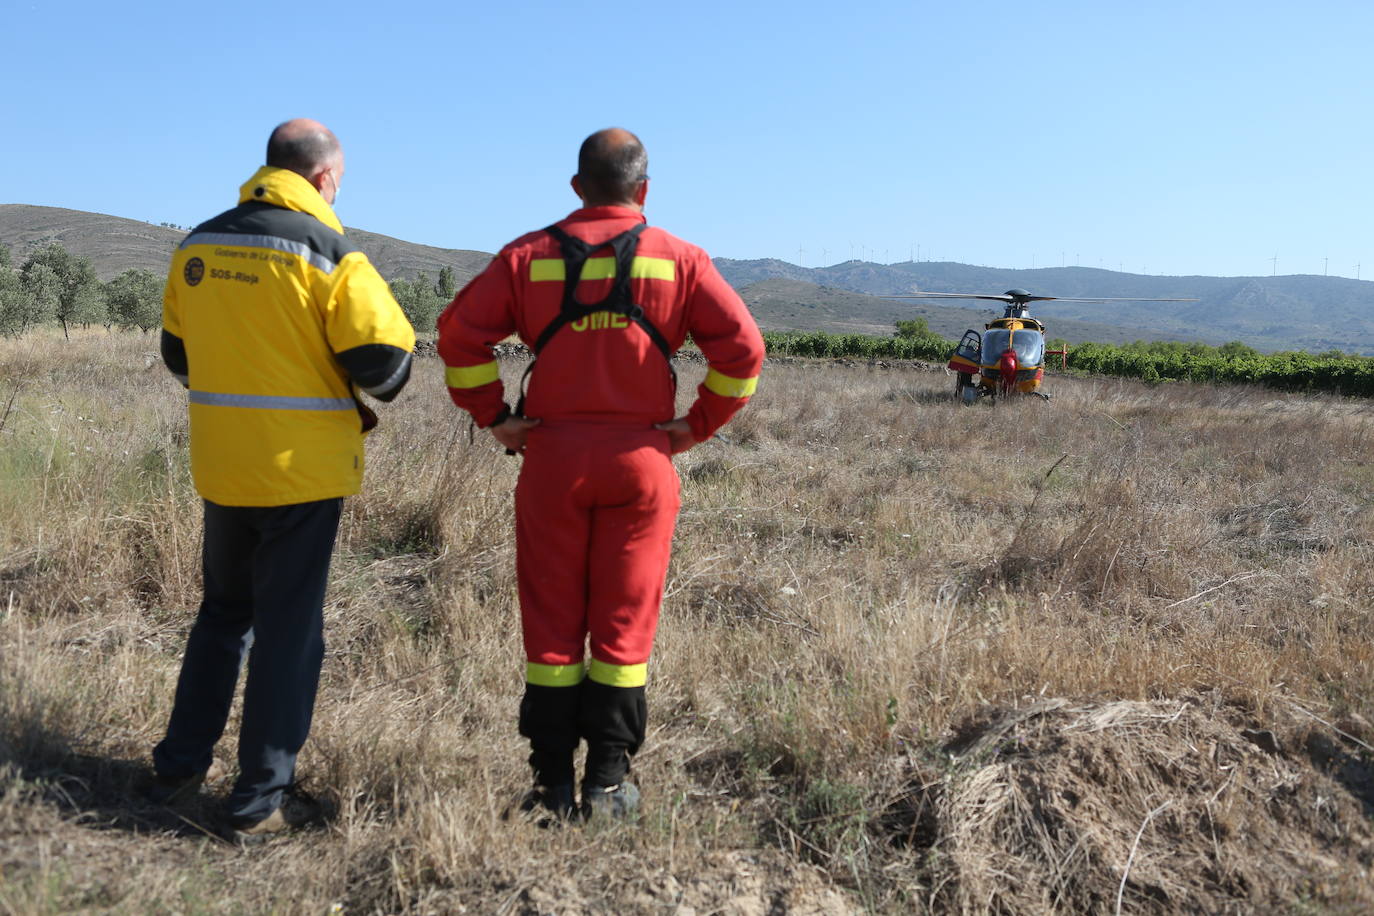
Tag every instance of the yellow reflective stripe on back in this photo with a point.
(604, 269)
(599, 269)
(727, 387)
(472, 376)
(653, 269)
(618, 675)
(554, 675)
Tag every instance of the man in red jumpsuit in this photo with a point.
(603, 300)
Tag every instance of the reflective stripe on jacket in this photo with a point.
(274, 320)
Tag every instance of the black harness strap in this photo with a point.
(618, 301)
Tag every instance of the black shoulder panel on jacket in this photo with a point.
(255, 218)
(379, 369)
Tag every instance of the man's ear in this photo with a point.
(577, 188)
(317, 178)
(642, 192)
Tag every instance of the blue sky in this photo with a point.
(1177, 138)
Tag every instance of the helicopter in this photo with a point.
(1008, 356)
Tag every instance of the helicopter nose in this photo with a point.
(1007, 367)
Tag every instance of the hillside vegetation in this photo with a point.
(1110, 653)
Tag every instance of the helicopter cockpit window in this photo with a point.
(970, 346)
(1029, 346)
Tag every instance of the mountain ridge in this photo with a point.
(1295, 311)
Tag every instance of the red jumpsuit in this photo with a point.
(597, 497)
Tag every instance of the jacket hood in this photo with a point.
(284, 188)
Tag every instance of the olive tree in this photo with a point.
(134, 300)
(78, 296)
(20, 309)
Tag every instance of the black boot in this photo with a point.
(613, 721)
(618, 802)
(548, 718)
(554, 803)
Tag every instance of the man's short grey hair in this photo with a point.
(610, 164)
(302, 151)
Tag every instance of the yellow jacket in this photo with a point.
(274, 321)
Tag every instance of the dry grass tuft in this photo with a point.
(868, 583)
(1180, 804)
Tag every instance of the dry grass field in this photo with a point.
(1113, 653)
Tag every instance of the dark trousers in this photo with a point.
(265, 572)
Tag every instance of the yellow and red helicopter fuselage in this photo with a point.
(1008, 358)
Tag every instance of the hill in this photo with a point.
(1271, 313)
(115, 244)
(1274, 313)
(395, 258)
(112, 243)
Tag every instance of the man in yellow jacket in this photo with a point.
(275, 323)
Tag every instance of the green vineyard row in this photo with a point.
(1151, 362)
(818, 343)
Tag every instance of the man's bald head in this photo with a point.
(304, 146)
(610, 166)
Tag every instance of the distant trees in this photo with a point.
(44, 287)
(134, 300)
(916, 333)
(20, 309)
(422, 300)
(66, 285)
(54, 284)
(1237, 350)
(914, 327)
(445, 287)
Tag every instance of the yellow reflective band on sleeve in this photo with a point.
(546, 269)
(554, 675)
(604, 269)
(472, 376)
(618, 675)
(727, 387)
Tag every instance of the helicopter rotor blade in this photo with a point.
(952, 296)
(1106, 299)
